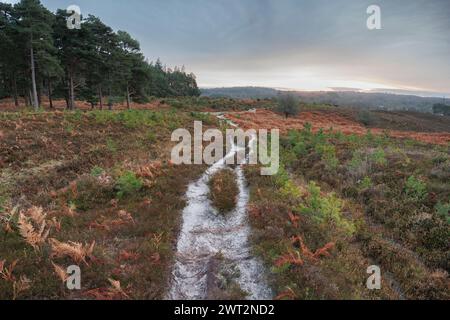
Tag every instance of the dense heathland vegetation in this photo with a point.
(40, 56)
(344, 202)
(97, 189)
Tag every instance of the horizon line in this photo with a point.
(393, 91)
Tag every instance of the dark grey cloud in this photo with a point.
(290, 43)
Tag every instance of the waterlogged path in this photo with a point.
(206, 233)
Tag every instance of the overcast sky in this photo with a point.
(296, 44)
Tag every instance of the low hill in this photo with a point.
(367, 100)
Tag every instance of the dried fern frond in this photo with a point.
(35, 237)
(7, 273)
(113, 292)
(36, 214)
(291, 258)
(116, 288)
(77, 251)
(314, 256)
(126, 216)
(20, 286)
(288, 294)
(56, 224)
(325, 251)
(294, 219)
(60, 272)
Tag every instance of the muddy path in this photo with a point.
(206, 235)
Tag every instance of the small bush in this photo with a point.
(379, 157)
(328, 154)
(290, 190)
(366, 183)
(224, 190)
(151, 137)
(358, 166)
(288, 105)
(300, 149)
(128, 184)
(366, 117)
(443, 210)
(89, 194)
(442, 158)
(416, 189)
(357, 160)
(326, 208)
(111, 145)
(2, 204)
(97, 171)
(282, 177)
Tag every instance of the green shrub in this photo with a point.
(2, 204)
(290, 190)
(366, 117)
(442, 158)
(366, 183)
(307, 128)
(300, 149)
(353, 139)
(325, 209)
(369, 137)
(282, 177)
(443, 210)
(128, 184)
(151, 137)
(97, 171)
(416, 189)
(328, 154)
(379, 157)
(111, 145)
(90, 194)
(357, 160)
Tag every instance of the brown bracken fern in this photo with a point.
(33, 227)
(77, 251)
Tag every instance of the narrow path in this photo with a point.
(206, 233)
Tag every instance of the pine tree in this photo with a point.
(39, 54)
(33, 23)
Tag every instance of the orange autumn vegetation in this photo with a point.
(266, 119)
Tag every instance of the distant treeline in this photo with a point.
(372, 100)
(41, 56)
(441, 109)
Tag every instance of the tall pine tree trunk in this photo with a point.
(110, 102)
(50, 98)
(128, 97)
(30, 97)
(100, 97)
(26, 98)
(33, 78)
(14, 87)
(66, 97)
(39, 94)
(71, 91)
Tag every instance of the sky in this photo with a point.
(290, 44)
